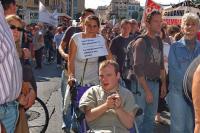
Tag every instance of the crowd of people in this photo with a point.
(131, 68)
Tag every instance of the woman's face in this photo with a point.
(190, 30)
(14, 24)
(91, 26)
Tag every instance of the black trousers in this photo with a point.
(58, 57)
(38, 57)
(162, 104)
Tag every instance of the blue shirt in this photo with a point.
(57, 39)
(179, 59)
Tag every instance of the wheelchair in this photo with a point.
(79, 124)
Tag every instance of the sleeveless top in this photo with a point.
(91, 69)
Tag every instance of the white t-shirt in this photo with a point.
(166, 48)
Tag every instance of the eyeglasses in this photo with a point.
(18, 28)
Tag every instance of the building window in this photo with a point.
(46, 2)
(36, 2)
(133, 7)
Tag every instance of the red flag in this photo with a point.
(149, 7)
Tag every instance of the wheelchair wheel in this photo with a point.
(38, 117)
(188, 78)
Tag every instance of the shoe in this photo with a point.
(58, 66)
(38, 67)
(65, 130)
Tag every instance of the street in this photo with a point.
(48, 82)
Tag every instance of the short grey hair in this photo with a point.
(188, 17)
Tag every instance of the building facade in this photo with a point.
(74, 8)
(29, 9)
(121, 9)
(102, 12)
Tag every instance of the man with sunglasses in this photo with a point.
(10, 75)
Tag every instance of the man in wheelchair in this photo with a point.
(109, 106)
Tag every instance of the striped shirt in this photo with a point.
(10, 67)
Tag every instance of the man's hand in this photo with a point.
(30, 98)
(149, 96)
(118, 101)
(71, 81)
(22, 100)
(65, 56)
(110, 101)
(163, 91)
(26, 53)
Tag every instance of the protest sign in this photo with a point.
(92, 47)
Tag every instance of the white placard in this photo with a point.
(92, 47)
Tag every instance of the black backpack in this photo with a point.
(128, 72)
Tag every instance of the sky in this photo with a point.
(95, 3)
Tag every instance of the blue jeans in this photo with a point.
(182, 117)
(145, 121)
(9, 115)
(66, 117)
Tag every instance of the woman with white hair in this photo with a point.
(181, 54)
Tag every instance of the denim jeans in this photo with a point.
(146, 120)
(182, 117)
(9, 115)
(66, 117)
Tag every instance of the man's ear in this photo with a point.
(118, 75)
(147, 24)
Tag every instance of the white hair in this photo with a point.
(190, 17)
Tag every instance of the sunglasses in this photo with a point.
(18, 28)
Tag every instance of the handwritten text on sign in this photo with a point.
(92, 47)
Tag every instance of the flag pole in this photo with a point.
(143, 16)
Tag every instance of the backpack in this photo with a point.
(128, 71)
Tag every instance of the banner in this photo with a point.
(149, 7)
(92, 47)
(173, 15)
(54, 18)
(46, 17)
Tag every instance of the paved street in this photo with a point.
(48, 81)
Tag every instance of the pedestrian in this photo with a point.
(181, 54)
(63, 49)
(38, 44)
(49, 48)
(149, 69)
(77, 65)
(11, 76)
(57, 40)
(162, 105)
(121, 42)
(109, 106)
(16, 25)
(134, 28)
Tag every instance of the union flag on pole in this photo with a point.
(149, 7)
